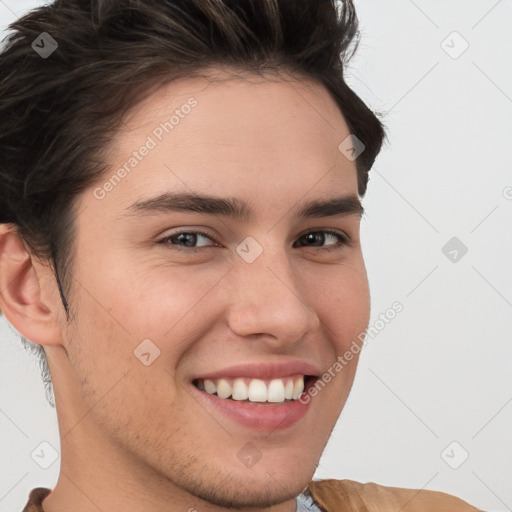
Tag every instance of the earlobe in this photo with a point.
(23, 297)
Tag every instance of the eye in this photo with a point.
(322, 235)
(189, 238)
(187, 241)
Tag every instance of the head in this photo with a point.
(133, 287)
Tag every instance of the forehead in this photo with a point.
(272, 136)
(233, 108)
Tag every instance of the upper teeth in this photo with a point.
(256, 390)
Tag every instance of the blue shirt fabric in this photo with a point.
(306, 504)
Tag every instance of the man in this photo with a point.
(182, 240)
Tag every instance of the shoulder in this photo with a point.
(35, 499)
(355, 496)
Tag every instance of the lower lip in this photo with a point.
(259, 417)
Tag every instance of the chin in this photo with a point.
(242, 492)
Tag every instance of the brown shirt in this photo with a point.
(348, 496)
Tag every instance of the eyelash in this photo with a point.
(343, 240)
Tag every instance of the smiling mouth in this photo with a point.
(257, 391)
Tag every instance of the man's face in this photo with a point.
(210, 303)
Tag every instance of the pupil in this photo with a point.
(311, 237)
(190, 242)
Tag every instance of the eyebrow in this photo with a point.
(240, 210)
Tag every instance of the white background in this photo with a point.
(441, 370)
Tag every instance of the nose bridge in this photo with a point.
(269, 300)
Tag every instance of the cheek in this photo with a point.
(343, 301)
(100, 350)
(124, 316)
(159, 301)
(118, 390)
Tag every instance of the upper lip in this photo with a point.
(264, 371)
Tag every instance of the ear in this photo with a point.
(26, 297)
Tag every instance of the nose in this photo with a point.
(270, 304)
